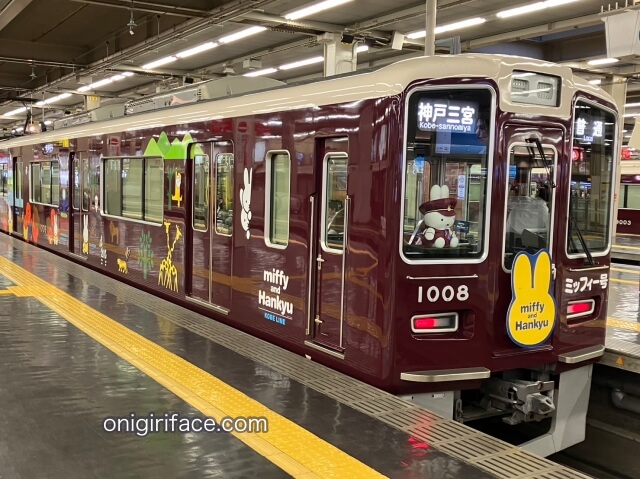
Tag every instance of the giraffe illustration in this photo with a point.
(168, 276)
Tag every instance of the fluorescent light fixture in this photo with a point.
(128, 74)
(626, 115)
(53, 99)
(16, 111)
(195, 50)
(117, 77)
(314, 8)
(100, 83)
(603, 61)
(512, 12)
(632, 105)
(362, 48)
(597, 81)
(62, 96)
(256, 73)
(48, 122)
(157, 63)
(469, 22)
(557, 3)
(301, 63)
(85, 88)
(241, 34)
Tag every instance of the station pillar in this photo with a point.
(339, 57)
(616, 86)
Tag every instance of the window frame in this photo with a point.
(490, 159)
(103, 183)
(32, 184)
(552, 210)
(267, 203)
(323, 223)
(614, 171)
(4, 169)
(192, 159)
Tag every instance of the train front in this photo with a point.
(504, 247)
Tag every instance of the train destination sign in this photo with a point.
(532, 313)
(447, 115)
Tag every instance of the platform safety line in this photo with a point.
(287, 445)
(624, 281)
(622, 270)
(623, 324)
(622, 246)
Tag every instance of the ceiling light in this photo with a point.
(416, 35)
(241, 34)
(157, 63)
(128, 74)
(512, 12)
(16, 111)
(117, 77)
(84, 88)
(557, 3)
(100, 83)
(597, 81)
(603, 61)
(301, 63)
(315, 8)
(256, 73)
(632, 105)
(48, 122)
(200, 48)
(362, 48)
(462, 24)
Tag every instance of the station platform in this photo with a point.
(626, 248)
(80, 350)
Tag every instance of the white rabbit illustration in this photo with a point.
(245, 201)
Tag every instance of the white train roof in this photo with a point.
(387, 81)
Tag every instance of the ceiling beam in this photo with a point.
(148, 7)
(11, 11)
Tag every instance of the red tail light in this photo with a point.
(435, 323)
(577, 309)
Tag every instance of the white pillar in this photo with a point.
(338, 57)
(430, 37)
(617, 88)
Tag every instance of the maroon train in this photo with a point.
(422, 227)
(629, 199)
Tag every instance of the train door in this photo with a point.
(531, 192)
(331, 227)
(18, 203)
(212, 219)
(80, 202)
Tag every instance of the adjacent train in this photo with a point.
(629, 199)
(424, 226)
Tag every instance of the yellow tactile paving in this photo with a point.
(622, 270)
(623, 324)
(287, 445)
(624, 281)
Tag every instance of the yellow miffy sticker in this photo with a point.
(532, 313)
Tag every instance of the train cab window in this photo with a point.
(529, 201)
(590, 202)
(45, 180)
(445, 182)
(278, 198)
(17, 172)
(630, 193)
(335, 187)
(86, 185)
(134, 188)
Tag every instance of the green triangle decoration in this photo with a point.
(152, 149)
(187, 139)
(163, 143)
(176, 151)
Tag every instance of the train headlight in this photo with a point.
(434, 323)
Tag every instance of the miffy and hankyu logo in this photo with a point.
(245, 201)
(532, 313)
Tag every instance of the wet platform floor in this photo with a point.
(59, 385)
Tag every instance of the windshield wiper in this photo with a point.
(574, 224)
(542, 155)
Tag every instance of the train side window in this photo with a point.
(112, 187)
(201, 189)
(154, 188)
(36, 182)
(86, 188)
(447, 160)
(76, 184)
(278, 202)
(132, 173)
(45, 178)
(55, 183)
(335, 192)
(4, 172)
(18, 180)
(223, 152)
(632, 197)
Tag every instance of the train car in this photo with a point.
(421, 226)
(629, 199)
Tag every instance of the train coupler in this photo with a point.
(527, 401)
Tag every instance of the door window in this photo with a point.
(335, 189)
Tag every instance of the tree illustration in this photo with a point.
(145, 257)
(170, 174)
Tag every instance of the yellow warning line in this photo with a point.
(624, 281)
(625, 246)
(622, 324)
(622, 270)
(287, 445)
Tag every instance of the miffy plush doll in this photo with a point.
(245, 201)
(439, 216)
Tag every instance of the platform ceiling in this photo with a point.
(51, 47)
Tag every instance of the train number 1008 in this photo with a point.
(446, 294)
